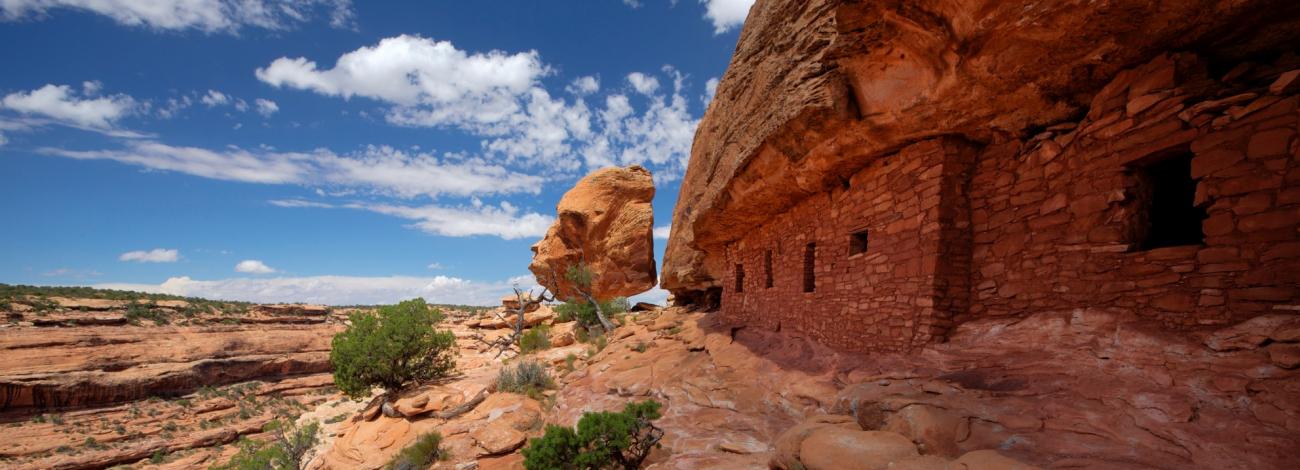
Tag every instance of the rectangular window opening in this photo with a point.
(1172, 217)
(767, 269)
(809, 265)
(740, 278)
(858, 242)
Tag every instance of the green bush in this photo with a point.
(602, 440)
(420, 454)
(526, 378)
(285, 452)
(585, 314)
(396, 347)
(136, 311)
(537, 338)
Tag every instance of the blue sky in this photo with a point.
(325, 151)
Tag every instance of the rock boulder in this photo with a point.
(605, 223)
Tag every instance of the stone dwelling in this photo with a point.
(908, 168)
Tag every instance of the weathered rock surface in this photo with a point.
(1085, 389)
(818, 89)
(605, 222)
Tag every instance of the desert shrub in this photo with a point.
(158, 457)
(641, 347)
(285, 452)
(585, 314)
(391, 349)
(527, 378)
(135, 312)
(535, 339)
(420, 454)
(569, 360)
(602, 440)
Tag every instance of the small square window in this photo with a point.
(858, 242)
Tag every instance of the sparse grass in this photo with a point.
(675, 330)
(419, 454)
(641, 346)
(535, 339)
(568, 362)
(337, 418)
(91, 443)
(56, 419)
(158, 457)
(526, 378)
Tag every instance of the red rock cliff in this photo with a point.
(819, 89)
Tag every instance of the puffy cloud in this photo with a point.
(339, 290)
(504, 220)
(710, 90)
(726, 14)
(432, 82)
(584, 85)
(642, 83)
(156, 255)
(380, 169)
(662, 232)
(499, 97)
(266, 107)
(204, 15)
(214, 98)
(62, 104)
(253, 266)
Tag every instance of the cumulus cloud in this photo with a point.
(584, 85)
(64, 105)
(339, 290)
(710, 90)
(642, 83)
(662, 232)
(380, 169)
(266, 107)
(156, 255)
(499, 97)
(726, 14)
(204, 15)
(433, 82)
(253, 266)
(214, 98)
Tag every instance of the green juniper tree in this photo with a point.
(391, 349)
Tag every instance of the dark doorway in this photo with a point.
(1172, 218)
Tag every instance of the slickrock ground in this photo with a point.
(1058, 390)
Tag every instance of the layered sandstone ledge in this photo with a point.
(817, 90)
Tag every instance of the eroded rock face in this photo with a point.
(606, 223)
(818, 89)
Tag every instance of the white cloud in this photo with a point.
(633, 3)
(253, 266)
(91, 87)
(432, 82)
(299, 203)
(710, 90)
(435, 265)
(380, 169)
(499, 97)
(504, 220)
(584, 85)
(214, 98)
(204, 15)
(642, 83)
(3, 139)
(156, 255)
(662, 232)
(61, 104)
(339, 290)
(657, 296)
(266, 107)
(726, 14)
(71, 273)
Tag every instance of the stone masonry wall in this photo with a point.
(1058, 220)
(881, 299)
(1054, 222)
